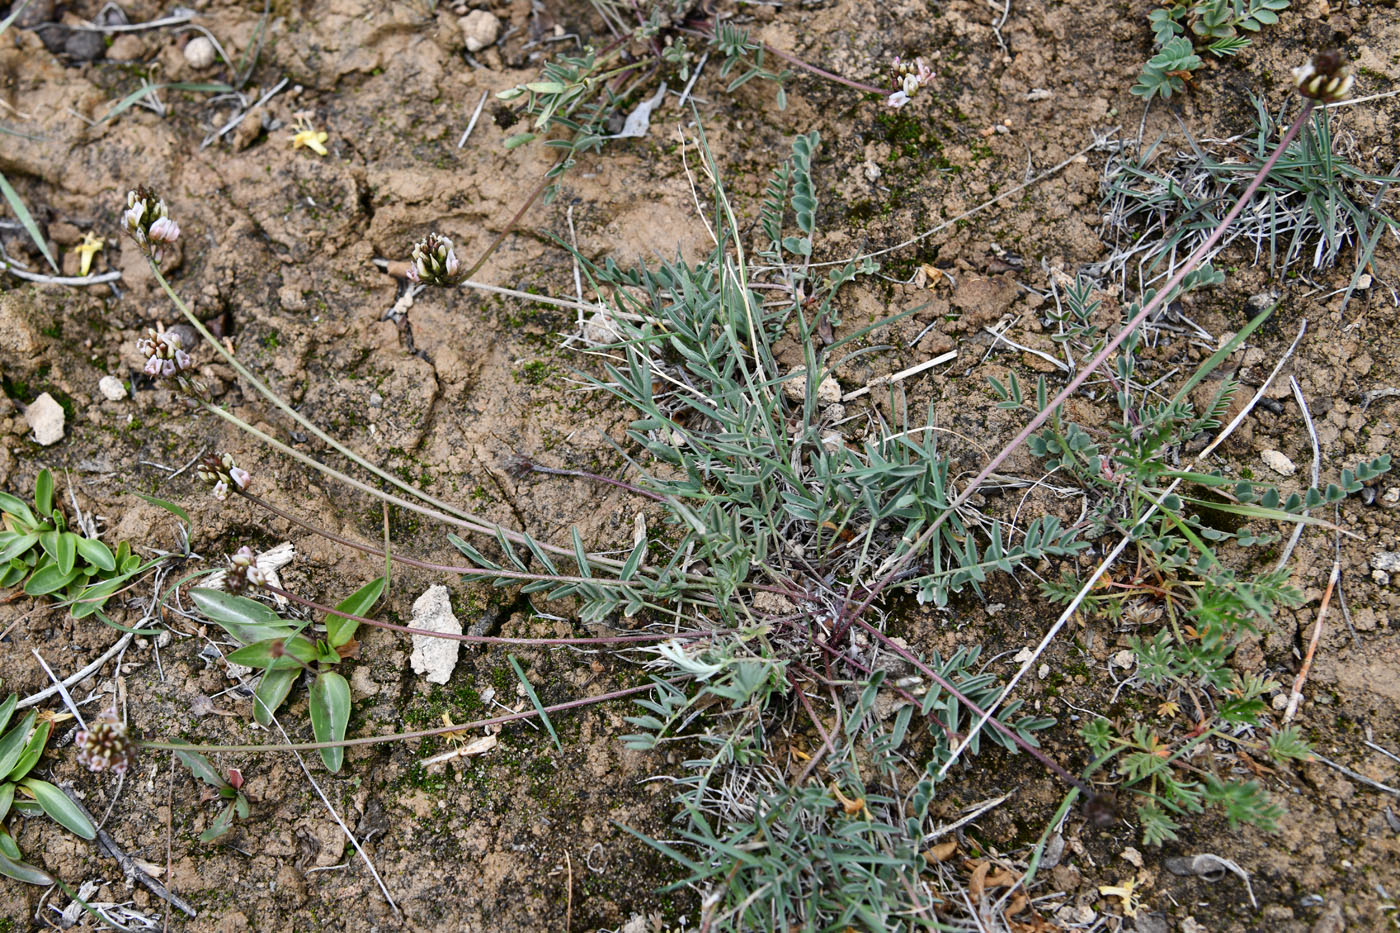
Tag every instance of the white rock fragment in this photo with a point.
(435, 657)
(1389, 561)
(480, 28)
(1124, 659)
(795, 387)
(199, 52)
(45, 417)
(111, 388)
(1277, 462)
(1024, 655)
(1043, 671)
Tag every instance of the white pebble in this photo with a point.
(435, 657)
(199, 52)
(1277, 462)
(45, 417)
(111, 388)
(480, 28)
(1124, 659)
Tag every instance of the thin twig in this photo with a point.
(1297, 696)
(62, 690)
(402, 736)
(59, 279)
(1113, 555)
(1355, 776)
(82, 675)
(1316, 469)
(471, 124)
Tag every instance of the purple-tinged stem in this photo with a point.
(1192, 262)
(401, 736)
(534, 467)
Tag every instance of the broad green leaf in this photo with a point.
(7, 709)
(49, 578)
(26, 219)
(275, 654)
(97, 554)
(67, 556)
(14, 544)
(222, 823)
(12, 744)
(272, 690)
(8, 847)
(340, 630)
(43, 492)
(91, 599)
(18, 509)
(330, 714)
(7, 797)
(245, 619)
(23, 871)
(60, 809)
(201, 768)
(32, 750)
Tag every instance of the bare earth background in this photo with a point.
(276, 254)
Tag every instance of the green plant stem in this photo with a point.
(496, 639)
(400, 736)
(1192, 262)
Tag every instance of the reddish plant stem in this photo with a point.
(596, 477)
(403, 736)
(1192, 262)
(510, 225)
(495, 639)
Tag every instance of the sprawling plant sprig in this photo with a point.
(40, 551)
(1188, 611)
(1183, 27)
(21, 792)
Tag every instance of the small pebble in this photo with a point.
(480, 28)
(84, 46)
(1277, 462)
(126, 47)
(111, 388)
(1123, 659)
(45, 417)
(199, 52)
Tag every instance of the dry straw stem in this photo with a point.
(1297, 696)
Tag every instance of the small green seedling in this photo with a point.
(20, 748)
(227, 787)
(38, 550)
(281, 651)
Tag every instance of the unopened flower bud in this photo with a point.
(105, 744)
(1326, 78)
(434, 262)
(224, 474)
(163, 353)
(145, 220)
(244, 571)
